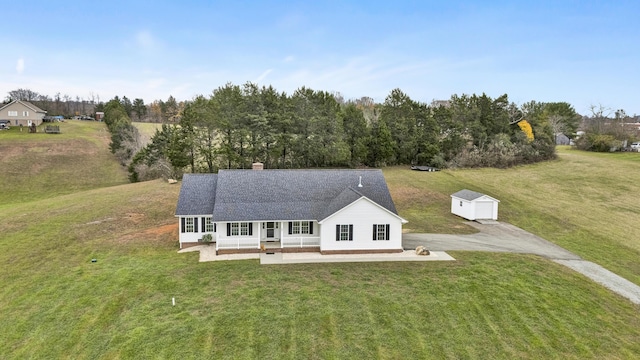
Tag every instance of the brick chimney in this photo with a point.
(257, 166)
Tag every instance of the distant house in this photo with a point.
(330, 211)
(19, 112)
(473, 205)
(562, 139)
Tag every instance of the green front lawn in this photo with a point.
(57, 303)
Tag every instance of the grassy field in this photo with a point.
(585, 202)
(41, 165)
(56, 303)
(147, 130)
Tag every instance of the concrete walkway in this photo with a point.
(503, 237)
(208, 253)
(299, 258)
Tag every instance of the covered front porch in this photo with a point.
(273, 236)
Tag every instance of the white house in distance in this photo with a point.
(473, 205)
(330, 211)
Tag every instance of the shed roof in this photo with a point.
(470, 195)
(197, 194)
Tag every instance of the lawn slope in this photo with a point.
(47, 165)
(585, 202)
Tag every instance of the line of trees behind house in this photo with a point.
(238, 125)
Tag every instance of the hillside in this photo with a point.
(35, 166)
(56, 303)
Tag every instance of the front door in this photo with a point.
(271, 227)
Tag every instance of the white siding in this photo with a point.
(362, 214)
(483, 207)
(285, 230)
(186, 237)
(462, 208)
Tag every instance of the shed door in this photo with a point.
(484, 210)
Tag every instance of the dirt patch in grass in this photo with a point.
(160, 234)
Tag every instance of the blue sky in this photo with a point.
(583, 52)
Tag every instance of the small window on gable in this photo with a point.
(25, 113)
(460, 202)
(12, 113)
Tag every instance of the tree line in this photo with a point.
(157, 111)
(237, 125)
(240, 124)
(606, 130)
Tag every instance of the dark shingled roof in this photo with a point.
(249, 195)
(245, 195)
(469, 195)
(197, 194)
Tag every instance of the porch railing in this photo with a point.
(300, 241)
(237, 243)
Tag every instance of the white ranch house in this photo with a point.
(473, 205)
(330, 211)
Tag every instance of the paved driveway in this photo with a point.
(503, 237)
(498, 237)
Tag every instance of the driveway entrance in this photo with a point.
(503, 237)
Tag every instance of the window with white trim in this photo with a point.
(189, 225)
(239, 229)
(12, 113)
(25, 113)
(300, 227)
(207, 225)
(344, 232)
(380, 232)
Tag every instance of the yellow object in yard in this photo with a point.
(526, 129)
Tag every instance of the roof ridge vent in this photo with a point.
(360, 182)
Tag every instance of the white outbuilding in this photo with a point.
(473, 205)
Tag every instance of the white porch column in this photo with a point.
(281, 234)
(259, 233)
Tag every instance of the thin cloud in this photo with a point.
(20, 66)
(145, 40)
(263, 76)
